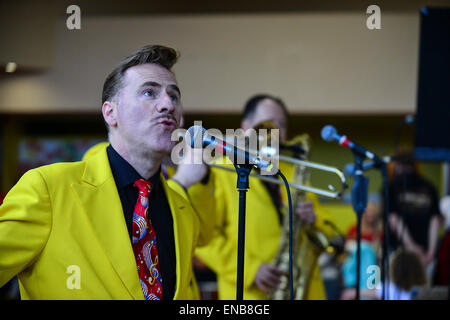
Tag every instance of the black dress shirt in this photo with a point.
(159, 213)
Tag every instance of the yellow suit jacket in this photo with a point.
(63, 232)
(262, 234)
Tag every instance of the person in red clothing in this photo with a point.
(371, 230)
(371, 235)
(443, 262)
(442, 269)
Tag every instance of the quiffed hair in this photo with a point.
(164, 56)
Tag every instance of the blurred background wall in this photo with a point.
(318, 62)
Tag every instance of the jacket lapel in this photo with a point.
(176, 207)
(101, 203)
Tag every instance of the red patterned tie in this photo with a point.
(144, 245)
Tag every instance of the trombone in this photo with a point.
(331, 193)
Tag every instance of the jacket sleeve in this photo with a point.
(203, 211)
(208, 201)
(202, 198)
(25, 225)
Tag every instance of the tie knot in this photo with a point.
(144, 186)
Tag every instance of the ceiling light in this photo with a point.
(11, 67)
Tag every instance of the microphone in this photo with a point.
(409, 119)
(349, 169)
(198, 134)
(329, 133)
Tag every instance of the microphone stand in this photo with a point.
(385, 248)
(359, 203)
(243, 172)
(384, 259)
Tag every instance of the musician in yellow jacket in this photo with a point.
(65, 228)
(167, 171)
(263, 219)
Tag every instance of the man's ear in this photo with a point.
(109, 113)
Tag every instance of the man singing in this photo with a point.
(110, 226)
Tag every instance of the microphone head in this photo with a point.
(328, 132)
(409, 119)
(349, 170)
(194, 133)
